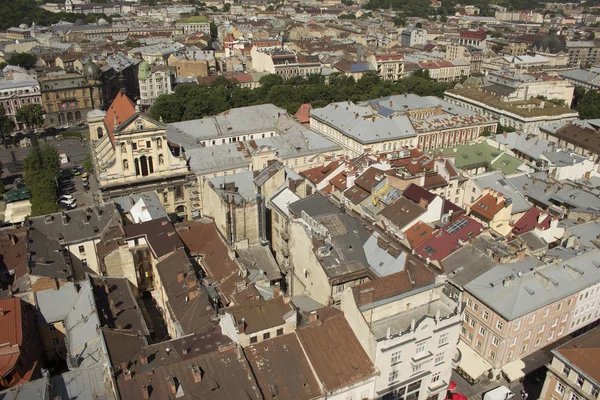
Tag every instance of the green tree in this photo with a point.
(578, 94)
(213, 30)
(589, 106)
(41, 167)
(32, 115)
(87, 163)
(23, 60)
(226, 7)
(6, 126)
(592, 36)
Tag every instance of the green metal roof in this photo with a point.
(17, 195)
(193, 20)
(506, 163)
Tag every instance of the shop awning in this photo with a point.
(519, 368)
(471, 362)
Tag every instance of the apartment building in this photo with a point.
(574, 370)
(445, 70)
(396, 122)
(515, 309)
(284, 63)
(17, 92)
(413, 36)
(154, 81)
(409, 329)
(389, 67)
(473, 37)
(198, 23)
(582, 54)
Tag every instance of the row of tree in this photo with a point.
(16, 12)
(192, 102)
(41, 167)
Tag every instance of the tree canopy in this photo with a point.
(192, 102)
(41, 167)
(31, 115)
(23, 60)
(16, 12)
(587, 104)
(6, 125)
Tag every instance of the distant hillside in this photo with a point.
(16, 12)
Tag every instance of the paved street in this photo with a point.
(533, 385)
(75, 149)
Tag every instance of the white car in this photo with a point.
(66, 197)
(69, 203)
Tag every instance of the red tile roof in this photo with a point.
(371, 177)
(120, 110)
(529, 221)
(478, 34)
(488, 206)
(317, 174)
(339, 181)
(414, 275)
(445, 241)
(416, 193)
(303, 113)
(332, 348)
(418, 233)
(389, 57)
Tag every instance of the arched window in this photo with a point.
(125, 165)
(150, 165)
(99, 132)
(159, 143)
(161, 159)
(77, 116)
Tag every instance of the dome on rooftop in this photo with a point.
(550, 43)
(23, 26)
(92, 71)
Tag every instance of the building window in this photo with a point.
(532, 319)
(443, 339)
(486, 315)
(51, 327)
(134, 146)
(554, 323)
(148, 144)
(558, 308)
(566, 370)
(435, 377)
(81, 250)
(161, 159)
(513, 342)
(492, 355)
(527, 335)
(279, 331)
(517, 325)
(569, 302)
(594, 391)
(575, 397)
(478, 344)
(55, 342)
(417, 367)
(524, 348)
(125, 165)
(560, 388)
(580, 381)
(495, 341)
(469, 303)
(439, 358)
(420, 349)
(482, 331)
(537, 342)
(159, 143)
(266, 335)
(541, 328)
(179, 193)
(470, 337)
(393, 377)
(396, 356)
(546, 312)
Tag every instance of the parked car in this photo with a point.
(500, 393)
(75, 171)
(70, 204)
(85, 177)
(66, 197)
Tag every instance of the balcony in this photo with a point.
(284, 251)
(285, 235)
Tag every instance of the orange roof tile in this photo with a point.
(488, 206)
(120, 110)
(419, 233)
(303, 113)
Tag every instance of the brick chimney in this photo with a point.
(423, 203)
(196, 373)
(241, 325)
(171, 383)
(128, 375)
(145, 392)
(143, 357)
(366, 296)
(312, 318)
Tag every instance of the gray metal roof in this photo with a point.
(498, 181)
(586, 233)
(466, 264)
(244, 186)
(294, 145)
(150, 199)
(380, 261)
(252, 120)
(563, 158)
(283, 198)
(83, 341)
(259, 258)
(207, 160)
(82, 384)
(54, 305)
(36, 390)
(514, 290)
(533, 146)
